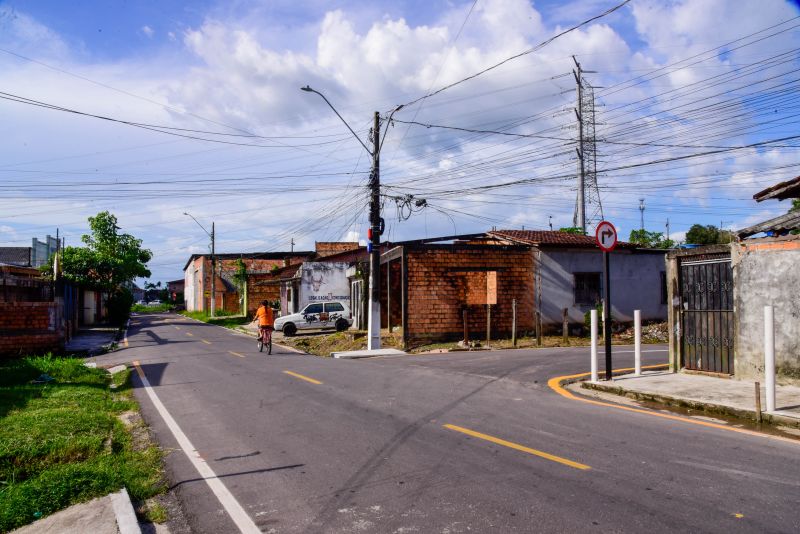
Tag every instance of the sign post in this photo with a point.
(606, 236)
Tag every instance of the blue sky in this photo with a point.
(233, 67)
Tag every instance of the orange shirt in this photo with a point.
(265, 316)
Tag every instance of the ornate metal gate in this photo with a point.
(707, 314)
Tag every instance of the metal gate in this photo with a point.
(707, 315)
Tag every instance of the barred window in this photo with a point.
(587, 288)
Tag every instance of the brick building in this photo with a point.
(431, 290)
(260, 266)
(29, 317)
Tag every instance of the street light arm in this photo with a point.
(308, 89)
(389, 122)
(198, 224)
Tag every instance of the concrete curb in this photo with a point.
(706, 407)
(123, 510)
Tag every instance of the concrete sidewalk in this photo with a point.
(706, 393)
(92, 341)
(112, 514)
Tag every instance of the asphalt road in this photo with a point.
(453, 442)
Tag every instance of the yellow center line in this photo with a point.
(177, 327)
(138, 369)
(236, 354)
(301, 377)
(189, 334)
(516, 446)
(206, 342)
(555, 384)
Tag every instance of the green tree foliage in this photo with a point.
(707, 235)
(572, 230)
(650, 239)
(109, 259)
(795, 205)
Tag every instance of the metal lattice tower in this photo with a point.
(588, 208)
(594, 208)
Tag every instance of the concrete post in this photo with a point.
(593, 315)
(769, 356)
(637, 343)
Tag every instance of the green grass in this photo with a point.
(159, 308)
(62, 443)
(226, 319)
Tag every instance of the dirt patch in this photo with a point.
(140, 433)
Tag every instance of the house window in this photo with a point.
(587, 288)
(663, 287)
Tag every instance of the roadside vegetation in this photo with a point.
(322, 344)
(69, 433)
(226, 319)
(156, 308)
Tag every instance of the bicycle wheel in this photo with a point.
(260, 345)
(269, 345)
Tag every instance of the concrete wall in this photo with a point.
(766, 272)
(635, 283)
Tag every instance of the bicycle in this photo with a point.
(265, 339)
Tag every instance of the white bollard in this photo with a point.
(593, 315)
(769, 356)
(637, 343)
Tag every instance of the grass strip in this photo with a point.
(225, 319)
(62, 442)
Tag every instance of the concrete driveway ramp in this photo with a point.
(354, 354)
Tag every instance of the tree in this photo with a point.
(795, 205)
(572, 230)
(650, 239)
(707, 235)
(109, 260)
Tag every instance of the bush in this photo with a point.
(119, 306)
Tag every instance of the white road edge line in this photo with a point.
(228, 501)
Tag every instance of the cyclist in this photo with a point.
(265, 319)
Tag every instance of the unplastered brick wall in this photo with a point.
(29, 328)
(444, 281)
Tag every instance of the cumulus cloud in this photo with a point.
(230, 73)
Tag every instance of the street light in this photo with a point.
(213, 262)
(376, 223)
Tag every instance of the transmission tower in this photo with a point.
(588, 208)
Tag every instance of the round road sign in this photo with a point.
(606, 236)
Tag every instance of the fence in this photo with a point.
(17, 289)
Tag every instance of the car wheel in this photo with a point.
(289, 329)
(341, 325)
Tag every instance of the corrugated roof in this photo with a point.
(552, 238)
(783, 190)
(16, 256)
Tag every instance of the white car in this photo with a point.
(317, 315)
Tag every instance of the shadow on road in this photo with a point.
(254, 471)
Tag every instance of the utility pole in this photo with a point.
(213, 273)
(292, 246)
(374, 326)
(641, 210)
(667, 228)
(580, 215)
(550, 222)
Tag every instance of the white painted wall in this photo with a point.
(320, 281)
(635, 283)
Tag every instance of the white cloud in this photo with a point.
(148, 31)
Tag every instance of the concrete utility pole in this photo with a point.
(374, 235)
(376, 223)
(213, 273)
(580, 219)
(292, 246)
(213, 262)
